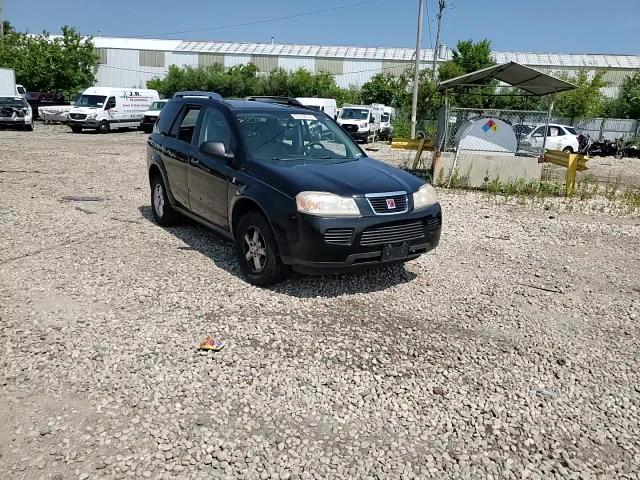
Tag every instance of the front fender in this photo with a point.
(278, 207)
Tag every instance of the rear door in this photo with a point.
(209, 176)
(177, 149)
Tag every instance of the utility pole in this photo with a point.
(1, 19)
(442, 5)
(416, 78)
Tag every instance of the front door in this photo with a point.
(209, 176)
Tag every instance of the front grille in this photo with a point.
(339, 236)
(77, 116)
(350, 128)
(388, 204)
(392, 233)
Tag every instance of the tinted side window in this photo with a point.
(215, 128)
(572, 130)
(187, 125)
(167, 117)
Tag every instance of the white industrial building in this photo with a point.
(130, 62)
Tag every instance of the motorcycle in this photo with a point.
(632, 150)
(607, 148)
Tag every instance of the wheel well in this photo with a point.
(570, 149)
(242, 207)
(154, 172)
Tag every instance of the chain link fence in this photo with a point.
(492, 131)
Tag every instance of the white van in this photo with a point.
(362, 122)
(105, 109)
(326, 105)
(386, 124)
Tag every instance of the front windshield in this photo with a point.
(295, 136)
(355, 114)
(12, 102)
(157, 105)
(91, 101)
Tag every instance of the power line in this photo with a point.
(429, 25)
(257, 22)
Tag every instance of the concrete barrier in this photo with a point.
(477, 169)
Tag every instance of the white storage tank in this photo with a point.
(486, 134)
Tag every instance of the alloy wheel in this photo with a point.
(158, 200)
(255, 249)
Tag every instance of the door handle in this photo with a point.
(193, 161)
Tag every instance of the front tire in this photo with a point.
(29, 128)
(256, 250)
(163, 212)
(104, 127)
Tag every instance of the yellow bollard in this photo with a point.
(572, 167)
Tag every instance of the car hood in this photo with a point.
(347, 179)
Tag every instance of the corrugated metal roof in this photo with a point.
(370, 53)
(136, 43)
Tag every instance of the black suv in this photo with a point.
(288, 185)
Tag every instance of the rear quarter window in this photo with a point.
(571, 130)
(167, 116)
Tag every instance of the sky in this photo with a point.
(558, 26)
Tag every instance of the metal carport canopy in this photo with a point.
(520, 76)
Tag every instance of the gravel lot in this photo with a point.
(509, 352)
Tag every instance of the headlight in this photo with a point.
(326, 204)
(424, 197)
(91, 116)
(364, 125)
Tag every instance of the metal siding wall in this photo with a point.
(294, 63)
(335, 66)
(182, 59)
(265, 63)
(124, 71)
(206, 59)
(357, 72)
(233, 60)
(395, 68)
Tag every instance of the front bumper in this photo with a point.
(308, 251)
(86, 123)
(14, 122)
(147, 123)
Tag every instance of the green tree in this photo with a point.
(584, 101)
(65, 63)
(470, 56)
(628, 103)
(384, 88)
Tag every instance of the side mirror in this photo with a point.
(217, 149)
(372, 120)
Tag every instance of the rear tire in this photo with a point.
(567, 150)
(619, 154)
(104, 127)
(29, 128)
(163, 212)
(76, 129)
(257, 251)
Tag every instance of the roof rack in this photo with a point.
(198, 94)
(274, 99)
